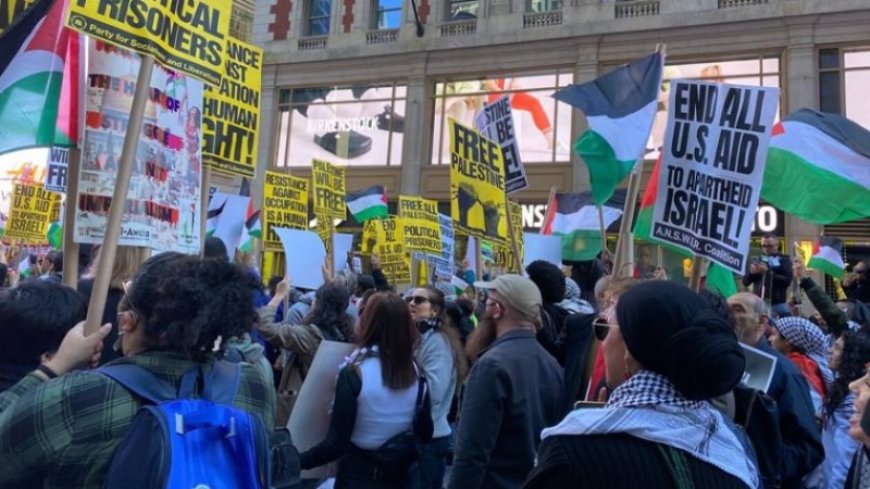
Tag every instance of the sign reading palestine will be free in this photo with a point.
(188, 36)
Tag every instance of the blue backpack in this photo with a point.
(180, 441)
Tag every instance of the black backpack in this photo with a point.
(758, 415)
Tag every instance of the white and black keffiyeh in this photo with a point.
(649, 407)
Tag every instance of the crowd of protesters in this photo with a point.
(565, 377)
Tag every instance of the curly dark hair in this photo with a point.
(187, 303)
(856, 354)
(549, 279)
(329, 313)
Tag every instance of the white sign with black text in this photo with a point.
(496, 122)
(56, 170)
(712, 168)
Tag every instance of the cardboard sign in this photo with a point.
(712, 168)
(285, 205)
(189, 37)
(231, 113)
(162, 209)
(56, 170)
(305, 255)
(497, 123)
(477, 185)
(541, 247)
(30, 213)
(443, 263)
(328, 187)
(422, 229)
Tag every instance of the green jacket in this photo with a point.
(64, 432)
(836, 319)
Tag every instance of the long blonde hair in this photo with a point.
(128, 259)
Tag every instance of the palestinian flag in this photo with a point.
(55, 235)
(39, 80)
(818, 168)
(459, 285)
(215, 209)
(253, 230)
(719, 279)
(828, 256)
(620, 108)
(368, 203)
(575, 218)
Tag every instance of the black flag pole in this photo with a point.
(420, 30)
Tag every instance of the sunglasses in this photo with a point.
(600, 328)
(416, 300)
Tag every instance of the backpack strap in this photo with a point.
(224, 380)
(141, 382)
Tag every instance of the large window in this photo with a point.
(319, 12)
(355, 126)
(844, 75)
(759, 71)
(462, 9)
(388, 14)
(542, 125)
(541, 6)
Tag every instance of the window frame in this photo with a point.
(310, 18)
(377, 11)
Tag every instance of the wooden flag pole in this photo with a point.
(204, 198)
(625, 243)
(660, 256)
(119, 196)
(70, 247)
(697, 267)
(602, 229)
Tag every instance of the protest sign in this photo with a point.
(162, 209)
(342, 244)
(227, 214)
(390, 247)
(56, 170)
(231, 112)
(12, 11)
(305, 256)
(30, 213)
(328, 186)
(285, 205)
(504, 254)
(309, 420)
(444, 262)
(497, 123)
(542, 247)
(422, 229)
(188, 37)
(477, 185)
(712, 168)
(760, 367)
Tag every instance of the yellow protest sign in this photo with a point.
(390, 247)
(231, 112)
(329, 190)
(477, 185)
(30, 213)
(11, 12)
(189, 36)
(420, 223)
(504, 254)
(325, 228)
(285, 205)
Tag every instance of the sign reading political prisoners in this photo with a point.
(712, 168)
(188, 36)
(231, 112)
(329, 189)
(477, 185)
(497, 123)
(285, 205)
(420, 222)
(30, 213)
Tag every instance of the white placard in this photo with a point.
(305, 257)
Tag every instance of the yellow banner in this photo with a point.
(329, 190)
(390, 247)
(422, 229)
(477, 185)
(31, 212)
(285, 205)
(11, 11)
(231, 112)
(504, 254)
(325, 228)
(189, 36)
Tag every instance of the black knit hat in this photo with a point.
(671, 330)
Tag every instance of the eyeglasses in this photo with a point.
(600, 328)
(416, 300)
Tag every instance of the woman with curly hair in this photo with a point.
(847, 360)
(60, 427)
(327, 320)
(443, 360)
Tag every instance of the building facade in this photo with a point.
(370, 83)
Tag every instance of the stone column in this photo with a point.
(268, 127)
(417, 140)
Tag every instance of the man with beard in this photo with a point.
(511, 394)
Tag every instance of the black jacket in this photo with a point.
(511, 394)
(774, 281)
(579, 340)
(859, 290)
(616, 461)
(802, 444)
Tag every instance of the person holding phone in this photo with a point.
(770, 275)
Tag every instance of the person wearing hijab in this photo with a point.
(657, 428)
